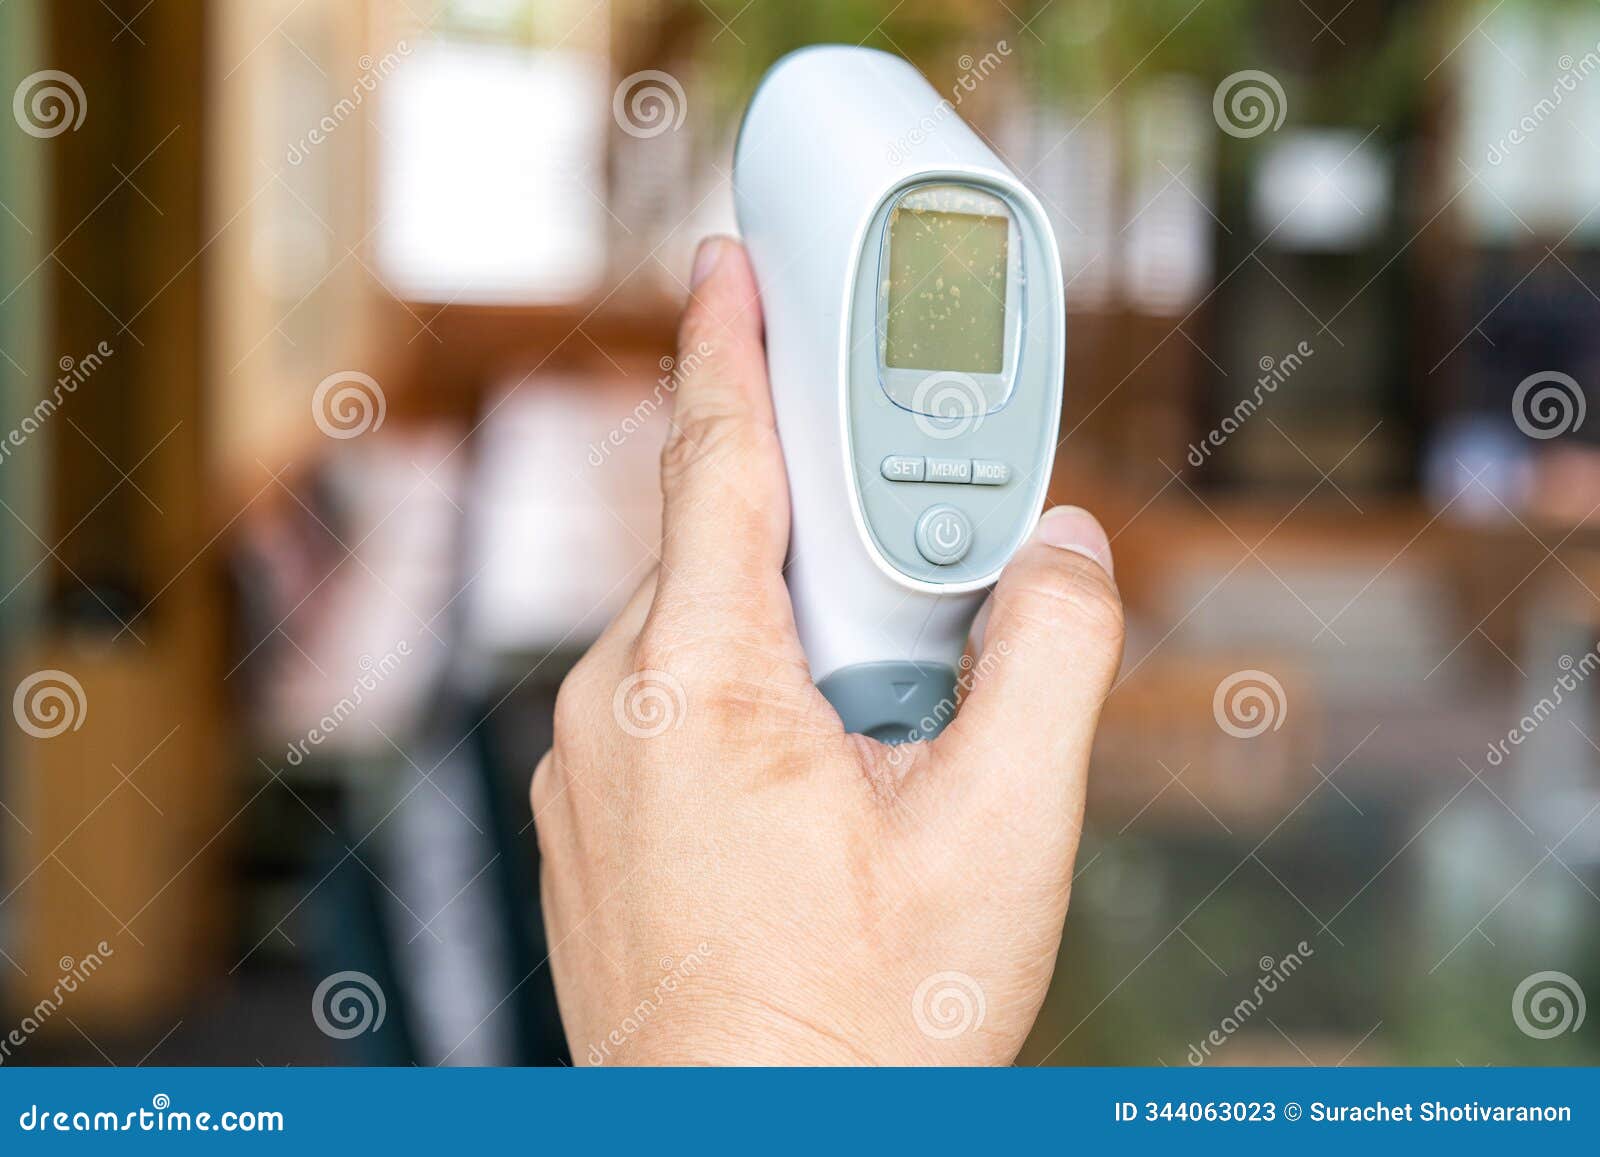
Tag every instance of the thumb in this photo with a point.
(1050, 649)
(725, 524)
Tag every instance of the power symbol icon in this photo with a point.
(944, 535)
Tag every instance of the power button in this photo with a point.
(944, 535)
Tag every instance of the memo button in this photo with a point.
(944, 535)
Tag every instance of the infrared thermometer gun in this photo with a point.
(916, 345)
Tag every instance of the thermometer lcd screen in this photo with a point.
(947, 291)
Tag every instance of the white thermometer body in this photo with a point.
(916, 344)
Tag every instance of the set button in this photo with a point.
(903, 468)
(976, 471)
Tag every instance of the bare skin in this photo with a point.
(730, 878)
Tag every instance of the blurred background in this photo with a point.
(332, 340)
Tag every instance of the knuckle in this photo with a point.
(706, 431)
(573, 700)
(1080, 594)
(540, 788)
(699, 336)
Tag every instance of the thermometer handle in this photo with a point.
(888, 660)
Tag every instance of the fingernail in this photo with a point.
(1074, 528)
(705, 260)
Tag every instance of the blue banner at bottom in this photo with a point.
(795, 1111)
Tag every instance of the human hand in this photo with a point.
(730, 878)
